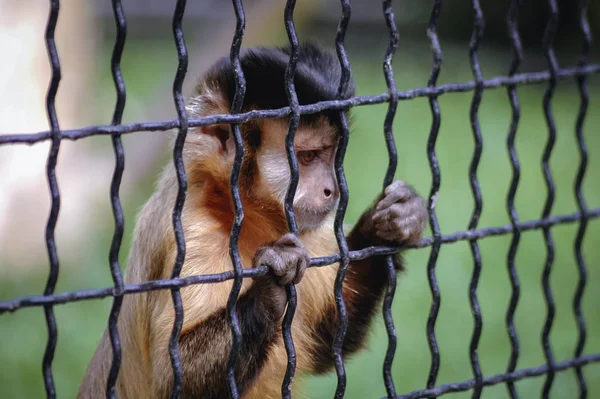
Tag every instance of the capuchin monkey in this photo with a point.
(146, 320)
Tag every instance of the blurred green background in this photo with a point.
(149, 64)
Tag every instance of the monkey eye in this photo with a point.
(307, 157)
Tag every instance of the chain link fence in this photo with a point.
(579, 72)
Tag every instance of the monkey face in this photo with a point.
(317, 192)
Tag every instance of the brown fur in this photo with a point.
(206, 224)
(146, 319)
(207, 219)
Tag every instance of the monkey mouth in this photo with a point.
(309, 219)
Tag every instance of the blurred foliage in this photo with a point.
(80, 324)
(533, 15)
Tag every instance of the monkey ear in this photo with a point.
(222, 133)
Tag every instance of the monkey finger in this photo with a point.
(279, 301)
(400, 194)
(259, 256)
(271, 258)
(410, 223)
(389, 226)
(384, 225)
(393, 186)
(397, 236)
(397, 211)
(413, 232)
(417, 214)
(289, 240)
(394, 211)
(287, 277)
(414, 208)
(417, 205)
(389, 236)
(397, 229)
(407, 229)
(383, 215)
(303, 263)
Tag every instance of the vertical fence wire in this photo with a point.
(113, 257)
(548, 43)
(433, 194)
(343, 203)
(236, 107)
(515, 39)
(478, 26)
(389, 176)
(54, 195)
(478, 382)
(182, 57)
(582, 86)
(289, 198)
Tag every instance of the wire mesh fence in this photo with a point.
(514, 78)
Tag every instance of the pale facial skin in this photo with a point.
(317, 191)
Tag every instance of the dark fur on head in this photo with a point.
(317, 78)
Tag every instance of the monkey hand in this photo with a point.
(400, 216)
(287, 260)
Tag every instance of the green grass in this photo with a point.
(23, 334)
(365, 169)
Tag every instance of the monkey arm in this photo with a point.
(363, 288)
(398, 217)
(205, 349)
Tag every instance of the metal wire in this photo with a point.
(478, 26)
(392, 96)
(289, 198)
(236, 107)
(493, 83)
(343, 203)
(553, 65)
(513, 34)
(115, 266)
(433, 195)
(181, 194)
(581, 84)
(501, 378)
(55, 197)
(155, 285)
(389, 176)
